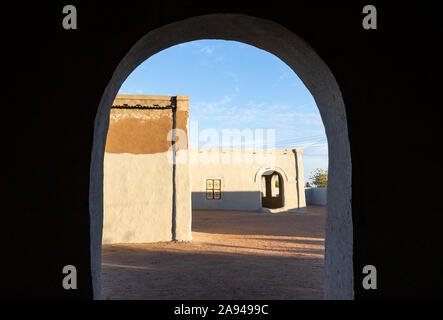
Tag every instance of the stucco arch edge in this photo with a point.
(262, 170)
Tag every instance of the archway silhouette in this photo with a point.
(317, 77)
(271, 199)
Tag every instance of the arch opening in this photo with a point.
(303, 60)
(273, 190)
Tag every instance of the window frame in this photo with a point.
(211, 189)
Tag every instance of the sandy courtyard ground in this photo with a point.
(233, 255)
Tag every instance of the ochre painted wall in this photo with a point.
(138, 174)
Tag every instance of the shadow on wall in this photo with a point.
(239, 201)
(229, 200)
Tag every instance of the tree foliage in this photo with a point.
(319, 178)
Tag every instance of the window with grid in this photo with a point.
(213, 189)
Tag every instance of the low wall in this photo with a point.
(316, 196)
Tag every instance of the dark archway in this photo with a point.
(273, 191)
(315, 74)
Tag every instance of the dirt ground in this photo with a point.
(233, 255)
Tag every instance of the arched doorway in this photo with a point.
(317, 77)
(272, 190)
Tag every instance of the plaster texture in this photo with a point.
(137, 205)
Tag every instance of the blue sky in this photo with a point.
(232, 85)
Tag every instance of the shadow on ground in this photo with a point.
(233, 255)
